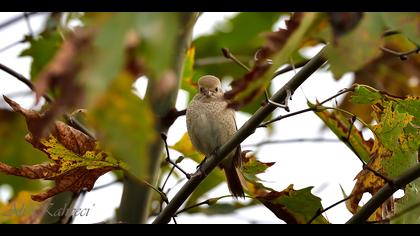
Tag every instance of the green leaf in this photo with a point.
(396, 144)
(124, 124)
(364, 95)
(251, 167)
(108, 46)
(242, 35)
(406, 22)
(294, 206)
(253, 83)
(15, 151)
(188, 72)
(407, 207)
(158, 33)
(397, 135)
(358, 47)
(222, 208)
(42, 49)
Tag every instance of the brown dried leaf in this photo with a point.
(60, 75)
(343, 22)
(77, 159)
(274, 43)
(388, 73)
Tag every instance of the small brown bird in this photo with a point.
(210, 124)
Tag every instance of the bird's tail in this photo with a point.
(234, 181)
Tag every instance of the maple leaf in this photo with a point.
(77, 159)
(396, 143)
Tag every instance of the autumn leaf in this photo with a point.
(187, 72)
(124, 124)
(77, 159)
(406, 22)
(340, 126)
(251, 167)
(22, 210)
(389, 73)
(293, 206)
(396, 141)
(406, 208)
(14, 151)
(280, 45)
(243, 41)
(343, 22)
(347, 54)
(60, 74)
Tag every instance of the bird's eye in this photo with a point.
(217, 89)
(201, 90)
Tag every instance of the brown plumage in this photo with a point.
(210, 124)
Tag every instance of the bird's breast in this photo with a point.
(206, 126)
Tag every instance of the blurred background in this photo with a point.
(305, 153)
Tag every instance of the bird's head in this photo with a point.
(210, 86)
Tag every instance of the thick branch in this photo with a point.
(246, 130)
(386, 191)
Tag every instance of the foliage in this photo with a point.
(94, 66)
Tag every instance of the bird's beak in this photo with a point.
(206, 93)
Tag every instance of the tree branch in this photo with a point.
(17, 18)
(382, 195)
(402, 55)
(69, 119)
(297, 140)
(246, 130)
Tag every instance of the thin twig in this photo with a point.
(216, 60)
(290, 68)
(70, 120)
(390, 32)
(168, 159)
(365, 166)
(16, 19)
(22, 79)
(316, 108)
(28, 23)
(402, 55)
(107, 185)
(319, 211)
(264, 124)
(298, 140)
(229, 55)
(167, 178)
(12, 45)
(209, 202)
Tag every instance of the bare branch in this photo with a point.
(402, 55)
(229, 55)
(298, 140)
(17, 18)
(319, 212)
